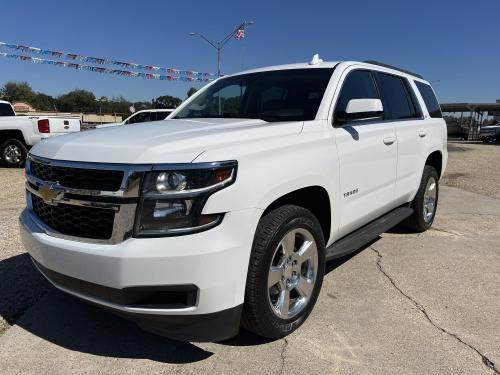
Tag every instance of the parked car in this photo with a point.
(19, 133)
(456, 130)
(227, 215)
(146, 115)
(490, 133)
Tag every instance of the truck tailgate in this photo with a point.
(62, 125)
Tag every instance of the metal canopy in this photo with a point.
(468, 127)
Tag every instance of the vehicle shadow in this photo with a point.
(332, 265)
(21, 286)
(73, 324)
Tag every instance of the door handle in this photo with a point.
(422, 133)
(389, 140)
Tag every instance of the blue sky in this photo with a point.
(451, 41)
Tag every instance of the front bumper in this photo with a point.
(214, 261)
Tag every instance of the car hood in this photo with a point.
(167, 141)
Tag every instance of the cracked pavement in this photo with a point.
(407, 303)
(487, 362)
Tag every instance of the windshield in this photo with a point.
(281, 95)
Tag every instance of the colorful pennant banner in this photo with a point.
(98, 69)
(102, 61)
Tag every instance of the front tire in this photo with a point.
(13, 153)
(285, 273)
(425, 202)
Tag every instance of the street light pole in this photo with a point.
(221, 43)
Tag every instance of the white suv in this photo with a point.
(226, 212)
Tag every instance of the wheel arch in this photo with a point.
(12, 134)
(435, 159)
(313, 198)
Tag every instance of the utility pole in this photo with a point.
(221, 43)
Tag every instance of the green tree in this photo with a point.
(18, 92)
(78, 101)
(166, 101)
(191, 91)
(43, 102)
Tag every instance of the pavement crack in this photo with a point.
(486, 361)
(436, 229)
(283, 356)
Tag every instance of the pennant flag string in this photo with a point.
(102, 61)
(98, 69)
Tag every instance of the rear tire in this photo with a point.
(285, 273)
(425, 202)
(13, 153)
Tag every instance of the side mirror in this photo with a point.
(360, 109)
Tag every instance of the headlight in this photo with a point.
(172, 200)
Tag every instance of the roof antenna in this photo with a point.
(315, 60)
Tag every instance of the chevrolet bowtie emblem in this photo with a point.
(47, 194)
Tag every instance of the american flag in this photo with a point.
(240, 34)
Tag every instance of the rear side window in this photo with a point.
(140, 117)
(6, 110)
(162, 115)
(397, 103)
(429, 99)
(358, 85)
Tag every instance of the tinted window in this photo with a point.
(282, 95)
(140, 117)
(358, 85)
(429, 99)
(395, 99)
(6, 110)
(162, 115)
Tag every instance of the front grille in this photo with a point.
(71, 220)
(78, 178)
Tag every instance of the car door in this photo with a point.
(401, 107)
(367, 152)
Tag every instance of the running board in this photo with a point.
(365, 234)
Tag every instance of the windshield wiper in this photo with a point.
(265, 118)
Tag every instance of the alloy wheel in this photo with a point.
(292, 274)
(12, 154)
(430, 199)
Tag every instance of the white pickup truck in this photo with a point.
(19, 133)
(226, 212)
(145, 115)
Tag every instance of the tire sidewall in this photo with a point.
(281, 327)
(24, 153)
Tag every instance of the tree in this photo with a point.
(78, 101)
(18, 92)
(166, 101)
(43, 102)
(191, 91)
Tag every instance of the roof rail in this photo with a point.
(373, 62)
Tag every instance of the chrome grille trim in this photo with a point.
(129, 185)
(124, 211)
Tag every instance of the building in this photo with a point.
(24, 109)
